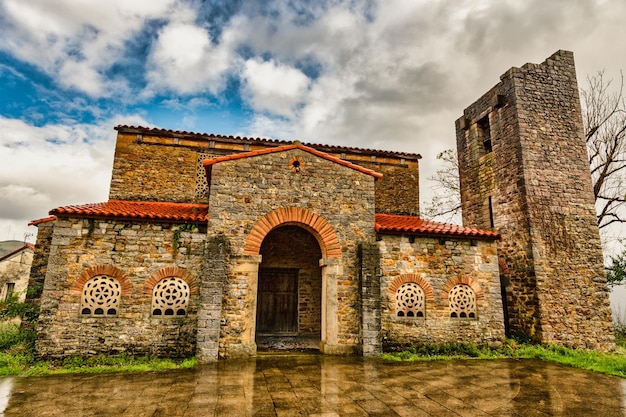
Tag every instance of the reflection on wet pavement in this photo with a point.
(315, 385)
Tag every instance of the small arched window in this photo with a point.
(462, 302)
(101, 296)
(410, 300)
(170, 297)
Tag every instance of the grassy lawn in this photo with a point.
(17, 358)
(607, 363)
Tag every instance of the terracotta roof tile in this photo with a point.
(416, 225)
(44, 220)
(198, 213)
(138, 210)
(209, 162)
(261, 141)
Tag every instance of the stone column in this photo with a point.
(211, 290)
(331, 269)
(246, 273)
(369, 258)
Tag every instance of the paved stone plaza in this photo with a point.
(315, 385)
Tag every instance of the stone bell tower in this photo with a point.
(524, 173)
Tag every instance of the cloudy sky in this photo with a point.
(391, 74)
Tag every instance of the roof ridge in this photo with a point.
(274, 142)
(37, 222)
(26, 245)
(297, 145)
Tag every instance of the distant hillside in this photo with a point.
(9, 246)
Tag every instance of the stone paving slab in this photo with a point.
(323, 386)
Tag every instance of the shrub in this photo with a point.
(12, 338)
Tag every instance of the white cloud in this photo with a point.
(82, 76)
(391, 74)
(54, 165)
(400, 74)
(188, 105)
(274, 88)
(76, 42)
(185, 60)
(379, 77)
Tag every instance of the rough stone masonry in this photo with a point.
(524, 173)
(208, 244)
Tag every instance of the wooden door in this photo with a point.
(277, 302)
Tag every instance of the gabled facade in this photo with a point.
(212, 245)
(15, 272)
(209, 245)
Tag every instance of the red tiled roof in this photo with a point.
(198, 213)
(138, 210)
(262, 141)
(44, 220)
(416, 225)
(209, 162)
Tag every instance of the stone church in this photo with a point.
(209, 245)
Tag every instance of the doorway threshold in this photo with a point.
(282, 344)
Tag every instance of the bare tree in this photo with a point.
(446, 202)
(604, 115)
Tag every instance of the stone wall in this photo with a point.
(138, 253)
(397, 192)
(370, 275)
(244, 191)
(216, 263)
(532, 185)
(153, 171)
(145, 162)
(39, 266)
(436, 265)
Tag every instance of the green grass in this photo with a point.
(607, 363)
(620, 341)
(444, 352)
(17, 358)
(103, 363)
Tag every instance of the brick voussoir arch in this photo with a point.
(108, 270)
(404, 278)
(317, 225)
(463, 279)
(171, 271)
(504, 269)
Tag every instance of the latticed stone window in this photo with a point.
(170, 297)
(101, 296)
(462, 302)
(202, 188)
(410, 300)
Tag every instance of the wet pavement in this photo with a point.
(316, 385)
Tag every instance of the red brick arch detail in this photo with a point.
(463, 279)
(317, 225)
(504, 269)
(171, 271)
(403, 279)
(108, 270)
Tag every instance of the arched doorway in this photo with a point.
(289, 297)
